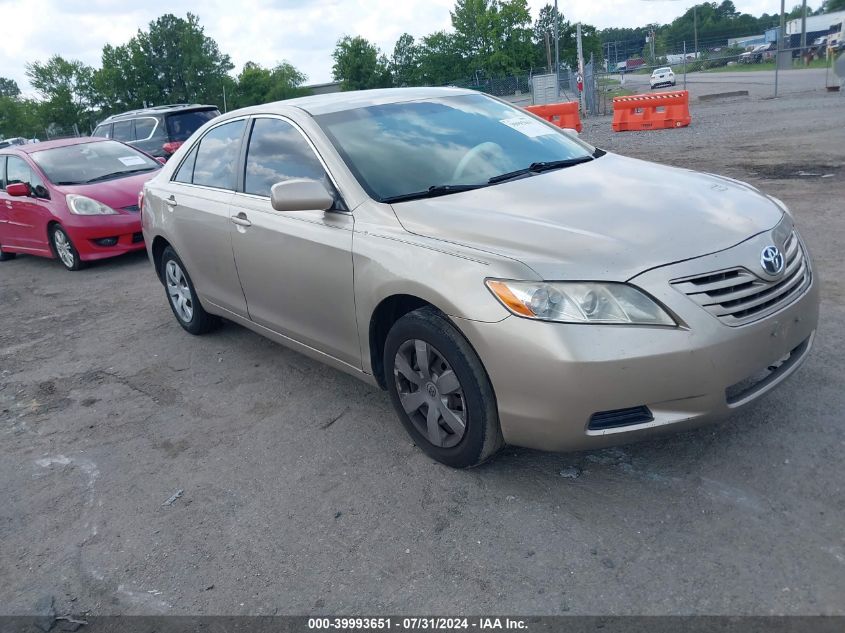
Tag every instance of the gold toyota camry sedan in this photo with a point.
(504, 281)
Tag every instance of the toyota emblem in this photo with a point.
(771, 259)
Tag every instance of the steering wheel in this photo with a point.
(471, 155)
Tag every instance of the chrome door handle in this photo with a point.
(241, 220)
(171, 201)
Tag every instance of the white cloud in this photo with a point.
(266, 31)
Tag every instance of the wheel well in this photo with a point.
(159, 244)
(384, 316)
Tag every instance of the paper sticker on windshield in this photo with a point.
(527, 126)
(131, 160)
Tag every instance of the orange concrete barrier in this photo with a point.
(561, 114)
(651, 112)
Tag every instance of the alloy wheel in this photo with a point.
(179, 292)
(430, 393)
(63, 248)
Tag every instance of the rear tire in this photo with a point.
(440, 390)
(182, 297)
(64, 249)
(4, 257)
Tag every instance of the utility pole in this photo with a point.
(780, 42)
(557, 52)
(803, 27)
(685, 64)
(580, 63)
(224, 100)
(695, 28)
(548, 51)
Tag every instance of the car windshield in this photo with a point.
(399, 149)
(182, 124)
(92, 162)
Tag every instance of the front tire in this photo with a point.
(182, 297)
(440, 390)
(64, 249)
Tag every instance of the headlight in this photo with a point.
(579, 302)
(82, 205)
(782, 206)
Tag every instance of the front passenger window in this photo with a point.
(278, 152)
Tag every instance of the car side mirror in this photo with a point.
(301, 194)
(18, 189)
(161, 159)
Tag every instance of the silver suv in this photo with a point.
(504, 281)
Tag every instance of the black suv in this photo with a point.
(159, 130)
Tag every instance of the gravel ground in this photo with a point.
(300, 493)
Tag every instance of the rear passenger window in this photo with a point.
(122, 130)
(143, 128)
(185, 172)
(103, 131)
(217, 156)
(278, 152)
(2, 172)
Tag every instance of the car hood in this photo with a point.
(118, 193)
(609, 219)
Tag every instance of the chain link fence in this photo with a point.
(601, 83)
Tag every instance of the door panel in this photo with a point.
(27, 217)
(295, 267)
(201, 225)
(200, 214)
(296, 272)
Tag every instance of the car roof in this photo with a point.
(340, 101)
(31, 148)
(162, 109)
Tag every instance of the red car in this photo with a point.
(74, 199)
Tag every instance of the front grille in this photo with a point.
(619, 417)
(736, 296)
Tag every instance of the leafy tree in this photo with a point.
(359, 65)
(404, 64)
(9, 87)
(66, 89)
(493, 36)
(172, 62)
(829, 6)
(257, 85)
(440, 59)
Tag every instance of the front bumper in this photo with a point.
(87, 233)
(551, 378)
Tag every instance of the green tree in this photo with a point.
(359, 65)
(829, 6)
(66, 89)
(257, 85)
(493, 36)
(19, 117)
(404, 64)
(9, 87)
(172, 62)
(440, 59)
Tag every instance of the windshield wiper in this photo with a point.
(539, 167)
(432, 192)
(118, 174)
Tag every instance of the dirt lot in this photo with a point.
(302, 494)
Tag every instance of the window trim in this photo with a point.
(297, 127)
(155, 127)
(199, 141)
